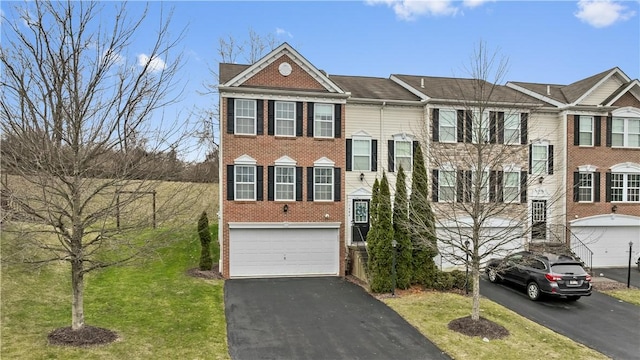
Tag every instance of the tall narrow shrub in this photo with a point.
(381, 280)
(422, 224)
(404, 265)
(372, 234)
(206, 263)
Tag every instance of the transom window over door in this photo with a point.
(323, 120)
(285, 118)
(245, 116)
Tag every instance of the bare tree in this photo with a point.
(480, 171)
(78, 110)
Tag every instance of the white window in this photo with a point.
(625, 132)
(586, 131)
(447, 125)
(285, 182)
(482, 184)
(512, 129)
(245, 182)
(361, 153)
(323, 120)
(403, 155)
(585, 187)
(285, 118)
(625, 187)
(323, 184)
(511, 186)
(539, 158)
(480, 127)
(245, 116)
(446, 186)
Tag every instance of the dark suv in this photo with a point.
(542, 273)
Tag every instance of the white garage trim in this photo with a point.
(284, 225)
(608, 236)
(607, 220)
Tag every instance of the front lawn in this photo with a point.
(631, 295)
(431, 312)
(157, 310)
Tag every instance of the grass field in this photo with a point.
(157, 310)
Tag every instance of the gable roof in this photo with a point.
(364, 87)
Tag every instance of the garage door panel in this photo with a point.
(283, 252)
(610, 245)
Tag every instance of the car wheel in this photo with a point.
(533, 291)
(492, 273)
(573, 297)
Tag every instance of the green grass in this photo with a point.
(157, 310)
(431, 312)
(631, 295)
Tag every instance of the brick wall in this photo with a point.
(270, 77)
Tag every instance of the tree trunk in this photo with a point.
(77, 286)
(475, 275)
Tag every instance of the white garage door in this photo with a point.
(608, 238)
(269, 252)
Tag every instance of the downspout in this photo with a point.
(565, 160)
(221, 224)
(382, 137)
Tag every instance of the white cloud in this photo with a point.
(156, 64)
(602, 13)
(280, 31)
(114, 57)
(412, 9)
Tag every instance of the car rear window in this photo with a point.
(567, 269)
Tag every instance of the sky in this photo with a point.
(555, 42)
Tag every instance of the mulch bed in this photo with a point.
(214, 273)
(85, 336)
(483, 328)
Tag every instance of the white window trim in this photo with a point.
(353, 153)
(625, 132)
(480, 124)
(236, 182)
(402, 137)
(593, 130)
(276, 119)
(580, 187)
(487, 173)
(516, 139)
(315, 184)
(235, 116)
(511, 168)
(546, 159)
(448, 168)
(455, 125)
(315, 120)
(276, 183)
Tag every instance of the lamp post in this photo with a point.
(394, 243)
(466, 263)
(629, 269)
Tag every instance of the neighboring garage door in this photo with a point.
(294, 250)
(608, 237)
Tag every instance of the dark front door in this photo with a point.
(539, 220)
(360, 220)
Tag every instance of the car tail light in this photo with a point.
(553, 277)
(588, 278)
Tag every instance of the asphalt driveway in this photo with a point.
(599, 321)
(316, 318)
(620, 274)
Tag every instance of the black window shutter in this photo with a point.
(598, 130)
(230, 112)
(524, 128)
(309, 184)
(374, 155)
(493, 124)
(337, 121)
(550, 159)
(523, 187)
(271, 117)
(500, 189)
(596, 187)
(391, 150)
(415, 145)
(607, 185)
(460, 125)
(530, 159)
(310, 120)
(576, 186)
(349, 153)
(576, 129)
(298, 183)
(467, 186)
(337, 188)
(434, 185)
(501, 128)
(271, 184)
(468, 126)
(435, 125)
(493, 177)
(609, 125)
(460, 186)
(259, 183)
(299, 118)
(230, 182)
(260, 117)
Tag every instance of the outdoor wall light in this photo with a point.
(540, 180)
(614, 208)
(285, 208)
(361, 176)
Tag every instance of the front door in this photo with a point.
(539, 220)
(360, 220)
